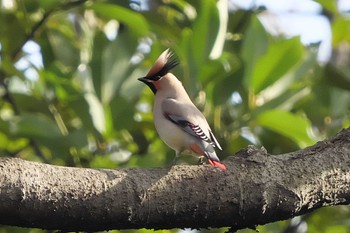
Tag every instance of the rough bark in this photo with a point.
(257, 188)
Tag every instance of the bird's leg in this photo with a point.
(177, 155)
(174, 161)
(201, 160)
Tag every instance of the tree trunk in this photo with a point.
(256, 188)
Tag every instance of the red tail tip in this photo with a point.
(217, 164)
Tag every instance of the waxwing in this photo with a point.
(178, 121)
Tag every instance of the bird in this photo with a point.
(177, 120)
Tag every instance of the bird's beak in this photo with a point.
(149, 83)
(145, 80)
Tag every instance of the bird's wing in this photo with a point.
(189, 119)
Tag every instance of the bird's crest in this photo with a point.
(162, 66)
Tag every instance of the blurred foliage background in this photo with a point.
(70, 95)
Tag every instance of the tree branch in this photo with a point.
(257, 188)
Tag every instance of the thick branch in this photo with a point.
(256, 189)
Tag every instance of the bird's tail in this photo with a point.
(213, 159)
(206, 149)
(217, 164)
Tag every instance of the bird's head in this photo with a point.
(161, 67)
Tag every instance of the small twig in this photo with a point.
(30, 35)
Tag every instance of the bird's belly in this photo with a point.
(172, 135)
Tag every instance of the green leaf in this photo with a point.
(36, 126)
(329, 5)
(240, 20)
(338, 229)
(134, 21)
(292, 126)
(341, 30)
(11, 26)
(336, 77)
(253, 49)
(217, 19)
(44, 131)
(96, 62)
(122, 112)
(117, 66)
(131, 87)
(81, 108)
(47, 4)
(205, 30)
(196, 43)
(30, 103)
(224, 87)
(64, 41)
(111, 64)
(76, 138)
(278, 60)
